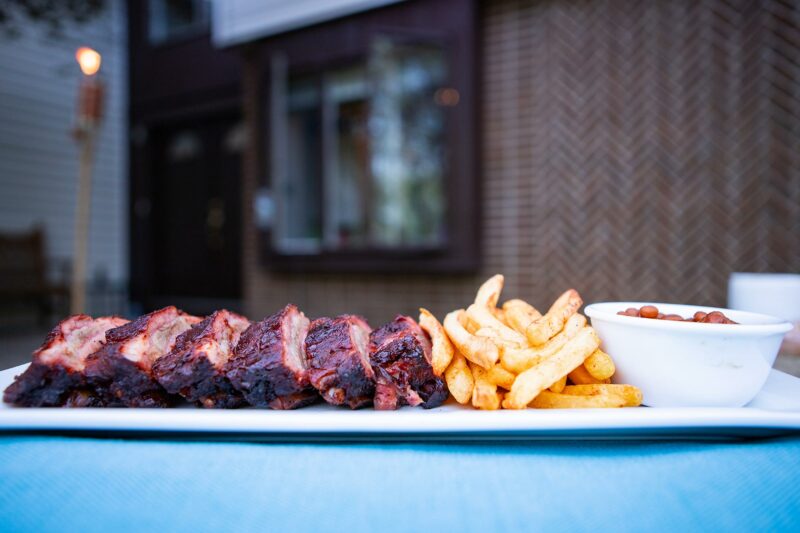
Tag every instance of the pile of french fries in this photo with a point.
(515, 357)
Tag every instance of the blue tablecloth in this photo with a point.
(73, 484)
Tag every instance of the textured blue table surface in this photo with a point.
(73, 484)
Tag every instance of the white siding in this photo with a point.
(38, 157)
(237, 21)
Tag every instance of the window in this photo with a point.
(363, 165)
(370, 143)
(177, 19)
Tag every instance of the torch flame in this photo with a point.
(88, 59)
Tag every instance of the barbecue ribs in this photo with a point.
(400, 354)
(268, 365)
(195, 366)
(57, 366)
(338, 360)
(121, 371)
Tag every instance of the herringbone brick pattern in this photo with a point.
(641, 150)
(631, 149)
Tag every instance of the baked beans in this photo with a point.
(651, 311)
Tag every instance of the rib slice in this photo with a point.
(338, 360)
(400, 354)
(121, 371)
(268, 365)
(58, 365)
(195, 366)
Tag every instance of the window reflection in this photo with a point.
(302, 188)
(347, 162)
(407, 158)
(359, 157)
(172, 19)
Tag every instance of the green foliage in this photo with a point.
(52, 14)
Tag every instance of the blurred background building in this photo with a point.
(373, 156)
(39, 158)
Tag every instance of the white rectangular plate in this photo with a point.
(776, 411)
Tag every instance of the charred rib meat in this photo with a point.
(400, 354)
(338, 360)
(195, 366)
(121, 371)
(58, 365)
(268, 365)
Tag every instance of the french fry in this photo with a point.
(441, 347)
(533, 381)
(459, 379)
(484, 317)
(631, 395)
(489, 292)
(500, 377)
(551, 323)
(484, 394)
(520, 314)
(495, 337)
(600, 365)
(479, 350)
(548, 361)
(581, 376)
(499, 314)
(470, 325)
(559, 385)
(553, 400)
(489, 333)
(519, 360)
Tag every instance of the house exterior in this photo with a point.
(39, 81)
(397, 153)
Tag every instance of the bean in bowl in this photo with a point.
(651, 311)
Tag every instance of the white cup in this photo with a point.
(769, 294)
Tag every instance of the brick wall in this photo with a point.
(632, 150)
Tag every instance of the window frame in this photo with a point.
(197, 30)
(343, 42)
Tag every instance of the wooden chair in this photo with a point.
(23, 275)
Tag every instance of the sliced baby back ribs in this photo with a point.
(268, 365)
(400, 354)
(121, 371)
(338, 360)
(195, 368)
(57, 366)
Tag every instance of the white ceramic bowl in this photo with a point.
(688, 364)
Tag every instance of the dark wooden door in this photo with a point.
(196, 209)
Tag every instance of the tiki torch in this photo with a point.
(90, 112)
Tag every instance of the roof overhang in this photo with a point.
(240, 21)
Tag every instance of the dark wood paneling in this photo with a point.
(185, 81)
(184, 73)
